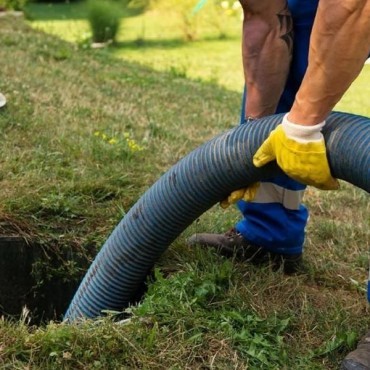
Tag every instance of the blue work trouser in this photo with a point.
(276, 219)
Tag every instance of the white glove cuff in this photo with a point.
(301, 133)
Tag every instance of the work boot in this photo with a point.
(232, 243)
(359, 359)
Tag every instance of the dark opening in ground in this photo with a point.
(45, 297)
(42, 280)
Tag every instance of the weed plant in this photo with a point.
(83, 136)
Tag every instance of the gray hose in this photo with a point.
(197, 182)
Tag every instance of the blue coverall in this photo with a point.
(271, 224)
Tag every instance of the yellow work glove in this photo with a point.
(300, 152)
(247, 194)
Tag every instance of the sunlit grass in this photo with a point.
(357, 98)
(69, 30)
(144, 39)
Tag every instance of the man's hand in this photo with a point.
(247, 194)
(300, 152)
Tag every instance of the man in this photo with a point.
(300, 57)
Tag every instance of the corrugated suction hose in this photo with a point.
(197, 182)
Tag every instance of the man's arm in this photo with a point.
(267, 50)
(340, 43)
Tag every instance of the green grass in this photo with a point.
(213, 57)
(83, 135)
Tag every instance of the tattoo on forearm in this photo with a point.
(286, 27)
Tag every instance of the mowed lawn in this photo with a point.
(86, 132)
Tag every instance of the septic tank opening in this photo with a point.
(45, 298)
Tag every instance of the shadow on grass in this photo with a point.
(150, 44)
(166, 43)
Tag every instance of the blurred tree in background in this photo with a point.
(12, 4)
(192, 19)
(194, 13)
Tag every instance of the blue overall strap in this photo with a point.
(368, 287)
(242, 110)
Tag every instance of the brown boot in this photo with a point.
(232, 243)
(359, 359)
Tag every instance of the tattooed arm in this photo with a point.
(340, 43)
(267, 51)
